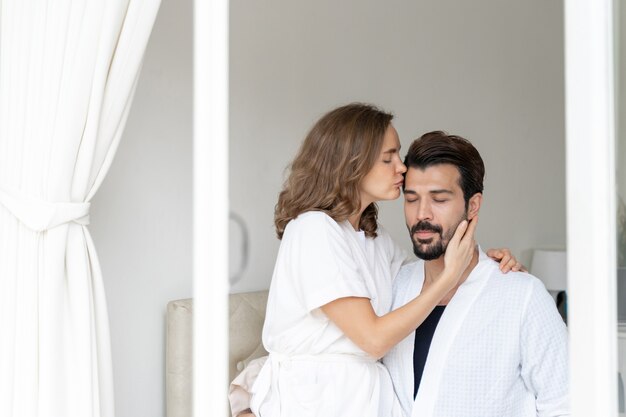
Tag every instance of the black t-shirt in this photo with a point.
(423, 337)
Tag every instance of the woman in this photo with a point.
(328, 314)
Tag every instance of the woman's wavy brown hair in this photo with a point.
(326, 174)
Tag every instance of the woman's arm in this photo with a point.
(377, 334)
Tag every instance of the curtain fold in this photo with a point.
(68, 72)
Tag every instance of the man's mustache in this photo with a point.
(424, 226)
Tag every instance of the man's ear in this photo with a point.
(473, 206)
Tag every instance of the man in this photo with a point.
(496, 345)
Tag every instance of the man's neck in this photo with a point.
(435, 267)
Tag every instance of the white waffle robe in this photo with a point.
(313, 368)
(500, 349)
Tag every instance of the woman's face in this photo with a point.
(384, 181)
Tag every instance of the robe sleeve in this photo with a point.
(323, 264)
(544, 353)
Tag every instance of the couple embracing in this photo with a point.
(354, 328)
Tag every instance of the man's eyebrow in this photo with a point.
(413, 192)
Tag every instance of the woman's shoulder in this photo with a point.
(313, 217)
(317, 235)
(312, 222)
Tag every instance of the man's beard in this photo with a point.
(426, 249)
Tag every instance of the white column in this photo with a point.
(591, 206)
(210, 173)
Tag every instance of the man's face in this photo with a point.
(433, 208)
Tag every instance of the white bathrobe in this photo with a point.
(313, 369)
(499, 350)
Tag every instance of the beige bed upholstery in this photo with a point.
(246, 312)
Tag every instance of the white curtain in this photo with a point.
(68, 71)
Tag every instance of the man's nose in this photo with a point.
(424, 211)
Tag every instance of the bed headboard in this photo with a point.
(246, 316)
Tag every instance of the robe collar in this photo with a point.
(444, 336)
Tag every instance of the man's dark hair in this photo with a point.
(437, 147)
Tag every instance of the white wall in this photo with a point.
(621, 166)
(490, 70)
(621, 122)
(141, 217)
